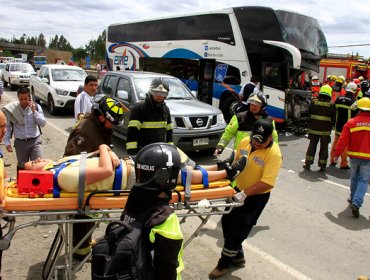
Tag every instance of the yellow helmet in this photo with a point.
(333, 77)
(361, 78)
(328, 77)
(364, 104)
(326, 90)
(341, 79)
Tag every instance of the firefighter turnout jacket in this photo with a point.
(322, 115)
(150, 122)
(343, 111)
(356, 137)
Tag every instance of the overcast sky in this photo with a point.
(344, 22)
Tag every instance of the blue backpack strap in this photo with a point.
(57, 169)
(117, 183)
(204, 176)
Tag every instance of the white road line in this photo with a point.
(57, 128)
(338, 185)
(280, 265)
(275, 262)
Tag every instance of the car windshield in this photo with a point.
(68, 74)
(2, 66)
(177, 89)
(21, 67)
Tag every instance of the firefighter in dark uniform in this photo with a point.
(92, 131)
(150, 121)
(156, 168)
(343, 112)
(322, 116)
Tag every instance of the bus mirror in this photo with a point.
(122, 94)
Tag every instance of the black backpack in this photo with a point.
(123, 253)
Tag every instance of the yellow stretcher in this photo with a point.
(102, 206)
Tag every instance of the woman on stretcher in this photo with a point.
(102, 166)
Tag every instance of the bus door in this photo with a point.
(206, 77)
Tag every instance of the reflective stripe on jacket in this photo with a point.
(356, 137)
(322, 114)
(149, 123)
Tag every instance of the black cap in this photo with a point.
(262, 130)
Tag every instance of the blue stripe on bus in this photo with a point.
(275, 112)
(182, 53)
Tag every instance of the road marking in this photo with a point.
(57, 128)
(338, 185)
(280, 265)
(275, 262)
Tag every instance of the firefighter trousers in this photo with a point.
(343, 155)
(323, 152)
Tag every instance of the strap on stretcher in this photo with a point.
(186, 176)
(81, 181)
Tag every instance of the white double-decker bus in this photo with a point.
(216, 52)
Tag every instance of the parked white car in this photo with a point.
(56, 85)
(17, 74)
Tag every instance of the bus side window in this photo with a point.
(274, 75)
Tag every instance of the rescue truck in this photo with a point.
(347, 65)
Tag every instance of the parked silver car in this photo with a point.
(197, 125)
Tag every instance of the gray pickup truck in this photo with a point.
(197, 126)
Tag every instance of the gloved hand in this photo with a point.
(240, 196)
(219, 149)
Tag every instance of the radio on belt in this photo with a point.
(30, 181)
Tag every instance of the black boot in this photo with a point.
(234, 170)
(222, 164)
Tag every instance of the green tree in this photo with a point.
(23, 38)
(78, 54)
(41, 41)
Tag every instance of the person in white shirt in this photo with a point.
(24, 120)
(83, 101)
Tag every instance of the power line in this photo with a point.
(346, 46)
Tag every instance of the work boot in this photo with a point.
(220, 270)
(234, 170)
(307, 167)
(239, 259)
(222, 164)
(322, 169)
(355, 210)
(345, 167)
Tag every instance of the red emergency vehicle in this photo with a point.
(349, 66)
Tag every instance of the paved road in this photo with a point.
(305, 232)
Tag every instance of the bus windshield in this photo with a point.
(303, 32)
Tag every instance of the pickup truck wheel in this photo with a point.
(51, 106)
(11, 86)
(4, 82)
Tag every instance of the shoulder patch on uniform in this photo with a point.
(80, 140)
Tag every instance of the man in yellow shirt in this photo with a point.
(253, 185)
